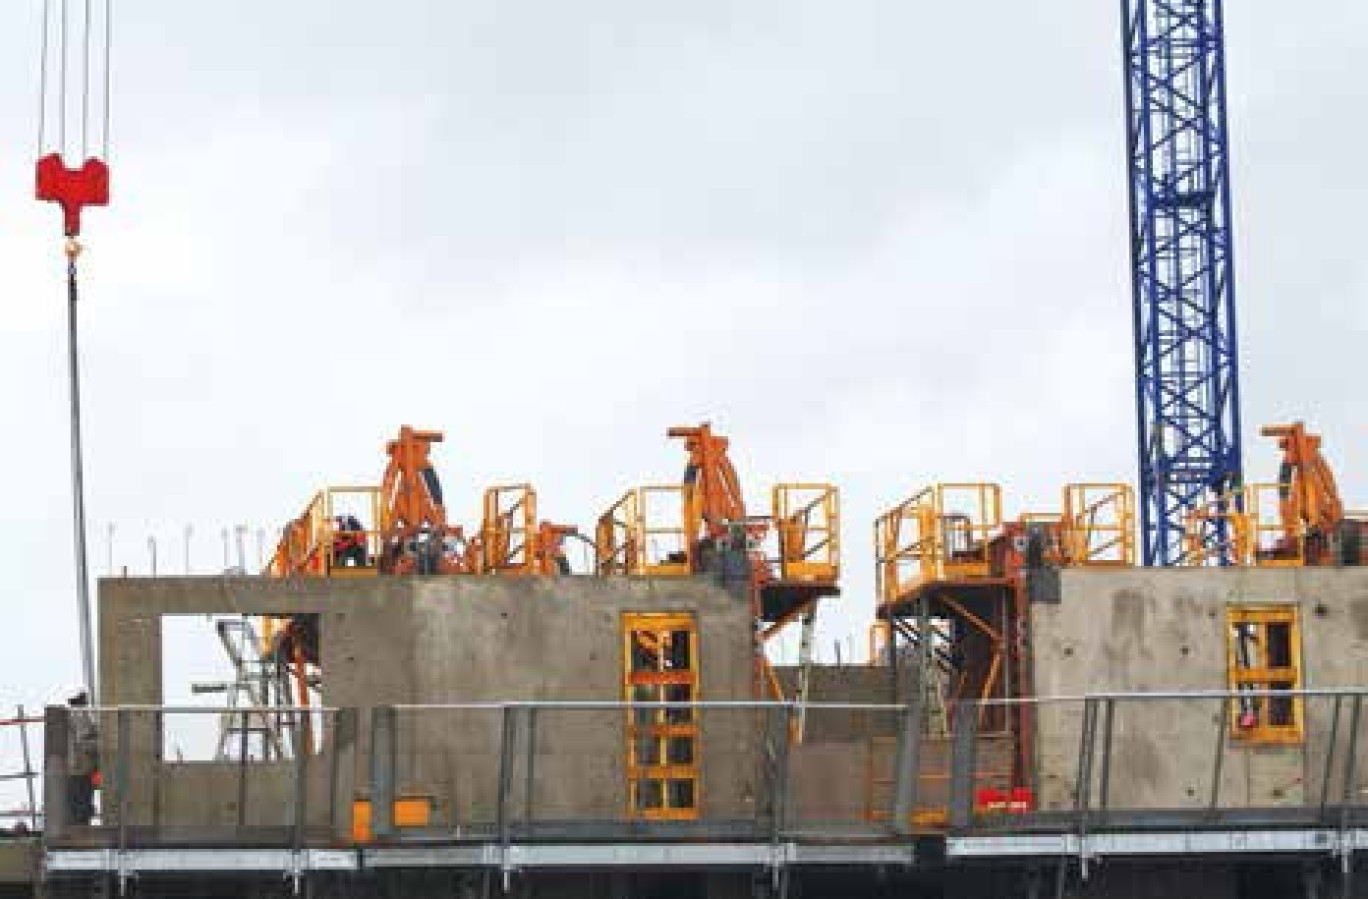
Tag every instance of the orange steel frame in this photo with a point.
(947, 554)
(1293, 522)
(413, 507)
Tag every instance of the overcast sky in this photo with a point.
(878, 243)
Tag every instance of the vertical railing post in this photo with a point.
(907, 763)
(963, 752)
(530, 769)
(384, 727)
(1350, 762)
(1218, 766)
(29, 773)
(301, 791)
(1108, 721)
(774, 722)
(507, 737)
(342, 771)
(159, 741)
(243, 724)
(1083, 787)
(1330, 754)
(121, 742)
(56, 774)
(782, 746)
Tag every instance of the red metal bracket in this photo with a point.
(73, 189)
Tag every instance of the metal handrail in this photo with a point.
(28, 774)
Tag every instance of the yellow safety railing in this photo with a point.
(648, 531)
(313, 545)
(1224, 512)
(508, 530)
(941, 533)
(1098, 525)
(1270, 544)
(807, 521)
(1256, 533)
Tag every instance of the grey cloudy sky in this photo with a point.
(881, 243)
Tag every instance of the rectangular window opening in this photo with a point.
(1264, 656)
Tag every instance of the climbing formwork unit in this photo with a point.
(782, 563)
(955, 583)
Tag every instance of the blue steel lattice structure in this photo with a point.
(1182, 269)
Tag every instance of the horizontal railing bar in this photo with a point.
(624, 705)
(1121, 696)
(1170, 695)
(213, 710)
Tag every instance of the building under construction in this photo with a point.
(1144, 691)
(422, 709)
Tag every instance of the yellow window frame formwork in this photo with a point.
(661, 664)
(1263, 652)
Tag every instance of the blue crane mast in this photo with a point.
(1182, 271)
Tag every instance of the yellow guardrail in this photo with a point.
(807, 521)
(635, 537)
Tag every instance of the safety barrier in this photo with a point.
(1098, 525)
(494, 773)
(508, 529)
(20, 810)
(941, 533)
(649, 531)
(807, 523)
(313, 544)
(281, 778)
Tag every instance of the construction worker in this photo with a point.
(83, 759)
(349, 541)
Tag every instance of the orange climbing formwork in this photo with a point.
(512, 540)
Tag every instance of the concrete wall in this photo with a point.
(1165, 629)
(432, 640)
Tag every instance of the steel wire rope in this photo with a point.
(43, 76)
(85, 87)
(62, 80)
(108, 44)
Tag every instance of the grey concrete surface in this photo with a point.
(1165, 629)
(19, 859)
(432, 640)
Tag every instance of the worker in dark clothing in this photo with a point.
(349, 541)
(83, 760)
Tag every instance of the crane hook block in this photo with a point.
(73, 189)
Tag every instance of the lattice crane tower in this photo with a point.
(1187, 384)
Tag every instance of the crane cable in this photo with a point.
(60, 48)
(74, 189)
